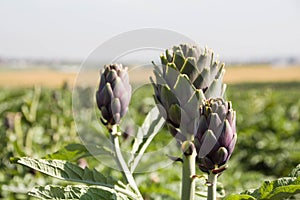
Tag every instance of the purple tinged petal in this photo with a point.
(232, 144)
(118, 88)
(215, 124)
(111, 76)
(106, 69)
(104, 96)
(233, 123)
(214, 105)
(207, 144)
(105, 113)
(206, 164)
(227, 135)
(125, 79)
(229, 116)
(123, 111)
(115, 106)
(221, 156)
(125, 99)
(116, 118)
(102, 82)
(203, 168)
(202, 127)
(115, 67)
(221, 111)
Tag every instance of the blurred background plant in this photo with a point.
(34, 122)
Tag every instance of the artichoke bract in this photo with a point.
(114, 93)
(216, 135)
(188, 75)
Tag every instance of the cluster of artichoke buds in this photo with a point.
(190, 79)
(114, 93)
(189, 93)
(189, 75)
(216, 135)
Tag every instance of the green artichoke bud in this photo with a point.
(114, 93)
(216, 136)
(199, 65)
(189, 75)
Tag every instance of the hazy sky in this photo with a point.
(73, 28)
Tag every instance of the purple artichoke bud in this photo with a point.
(216, 135)
(114, 93)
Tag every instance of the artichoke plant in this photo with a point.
(113, 94)
(189, 74)
(216, 135)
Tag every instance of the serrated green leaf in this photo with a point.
(81, 192)
(295, 172)
(64, 170)
(278, 189)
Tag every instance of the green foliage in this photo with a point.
(82, 192)
(151, 126)
(64, 170)
(268, 127)
(278, 189)
(34, 122)
(71, 152)
(67, 171)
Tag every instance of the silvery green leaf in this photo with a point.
(81, 192)
(152, 124)
(63, 170)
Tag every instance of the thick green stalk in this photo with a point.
(188, 181)
(212, 186)
(121, 162)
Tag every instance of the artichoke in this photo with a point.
(199, 65)
(113, 94)
(189, 75)
(216, 136)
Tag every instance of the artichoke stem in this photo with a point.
(212, 186)
(121, 162)
(188, 173)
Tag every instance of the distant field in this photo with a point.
(237, 74)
